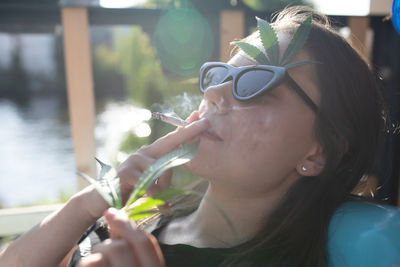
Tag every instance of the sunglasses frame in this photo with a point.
(280, 75)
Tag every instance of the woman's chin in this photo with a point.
(196, 167)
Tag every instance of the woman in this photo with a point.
(279, 164)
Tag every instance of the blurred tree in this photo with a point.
(18, 78)
(58, 56)
(136, 60)
(108, 80)
(144, 81)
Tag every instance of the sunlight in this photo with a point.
(343, 7)
(120, 3)
(143, 130)
(353, 7)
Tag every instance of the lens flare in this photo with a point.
(183, 40)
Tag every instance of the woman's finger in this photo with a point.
(132, 168)
(162, 182)
(130, 171)
(94, 260)
(144, 246)
(194, 116)
(175, 138)
(117, 253)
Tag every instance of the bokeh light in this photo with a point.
(143, 130)
(183, 40)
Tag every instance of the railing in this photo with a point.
(16, 221)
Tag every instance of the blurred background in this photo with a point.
(144, 55)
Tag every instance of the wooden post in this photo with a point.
(358, 28)
(80, 88)
(231, 28)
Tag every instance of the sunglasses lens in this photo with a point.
(213, 76)
(252, 81)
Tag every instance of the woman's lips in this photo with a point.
(209, 134)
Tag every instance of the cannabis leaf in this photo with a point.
(107, 184)
(269, 40)
(172, 159)
(253, 52)
(298, 41)
(148, 207)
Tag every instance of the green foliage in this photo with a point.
(165, 3)
(107, 183)
(141, 70)
(253, 52)
(269, 40)
(14, 80)
(172, 159)
(108, 79)
(146, 208)
(298, 41)
(273, 5)
(270, 43)
(131, 142)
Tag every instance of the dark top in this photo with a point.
(174, 255)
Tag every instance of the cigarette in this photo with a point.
(168, 119)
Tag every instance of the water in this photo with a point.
(36, 150)
(36, 158)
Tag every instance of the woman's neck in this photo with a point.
(221, 216)
(222, 219)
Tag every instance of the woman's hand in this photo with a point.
(129, 245)
(131, 170)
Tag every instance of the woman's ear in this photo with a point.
(313, 163)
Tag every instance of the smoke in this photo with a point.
(180, 106)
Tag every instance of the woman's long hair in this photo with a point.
(349, 126)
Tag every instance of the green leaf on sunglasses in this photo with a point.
(269, 40)
(253, 52)
(172, 159)
(298, 40)
(300, 63)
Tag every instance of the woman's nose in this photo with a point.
(219, 96)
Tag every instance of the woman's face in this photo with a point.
(261, 143)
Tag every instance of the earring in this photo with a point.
(303, 168)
